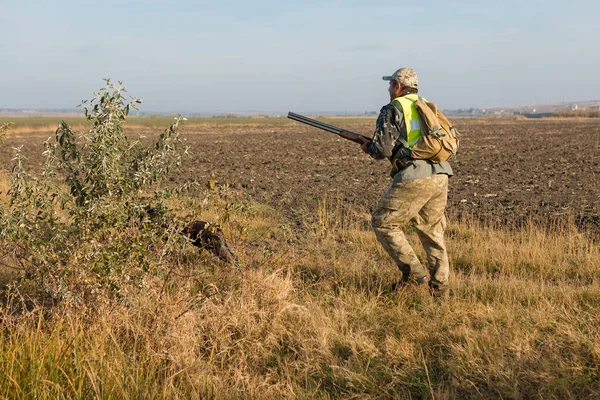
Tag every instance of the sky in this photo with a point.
(305, 56)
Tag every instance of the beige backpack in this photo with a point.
(439, 139)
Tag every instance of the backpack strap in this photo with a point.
(436, 130)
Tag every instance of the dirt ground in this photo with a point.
(507, 171)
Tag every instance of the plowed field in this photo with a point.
(507, 171)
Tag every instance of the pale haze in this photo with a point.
(306, 56)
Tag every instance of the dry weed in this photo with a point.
(309, 315)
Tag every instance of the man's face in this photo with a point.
(394, 90)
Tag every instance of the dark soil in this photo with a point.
(507, 171)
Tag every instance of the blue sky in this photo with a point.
(274, 56)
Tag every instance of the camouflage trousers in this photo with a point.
(422, 202)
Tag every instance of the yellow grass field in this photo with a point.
(308, 313)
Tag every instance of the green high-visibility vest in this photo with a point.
(411, 117)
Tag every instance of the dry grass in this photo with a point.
(308, 315)
(4, 186)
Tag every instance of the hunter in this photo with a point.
(418, 193)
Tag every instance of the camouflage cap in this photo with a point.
(406, 76)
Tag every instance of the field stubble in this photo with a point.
(309, 314)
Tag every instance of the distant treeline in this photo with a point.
(583, 113)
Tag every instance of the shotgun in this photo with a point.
(355, 137)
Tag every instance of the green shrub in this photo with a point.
(95, 223)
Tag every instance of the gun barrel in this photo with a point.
(314, 122)
(326, 127)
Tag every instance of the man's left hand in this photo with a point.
(364, 145)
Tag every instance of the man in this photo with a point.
(418, 192)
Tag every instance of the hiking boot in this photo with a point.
(439, 290)
(407, 279)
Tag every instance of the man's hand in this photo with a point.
(364, 143)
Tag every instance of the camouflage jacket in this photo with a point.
(390, 126)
